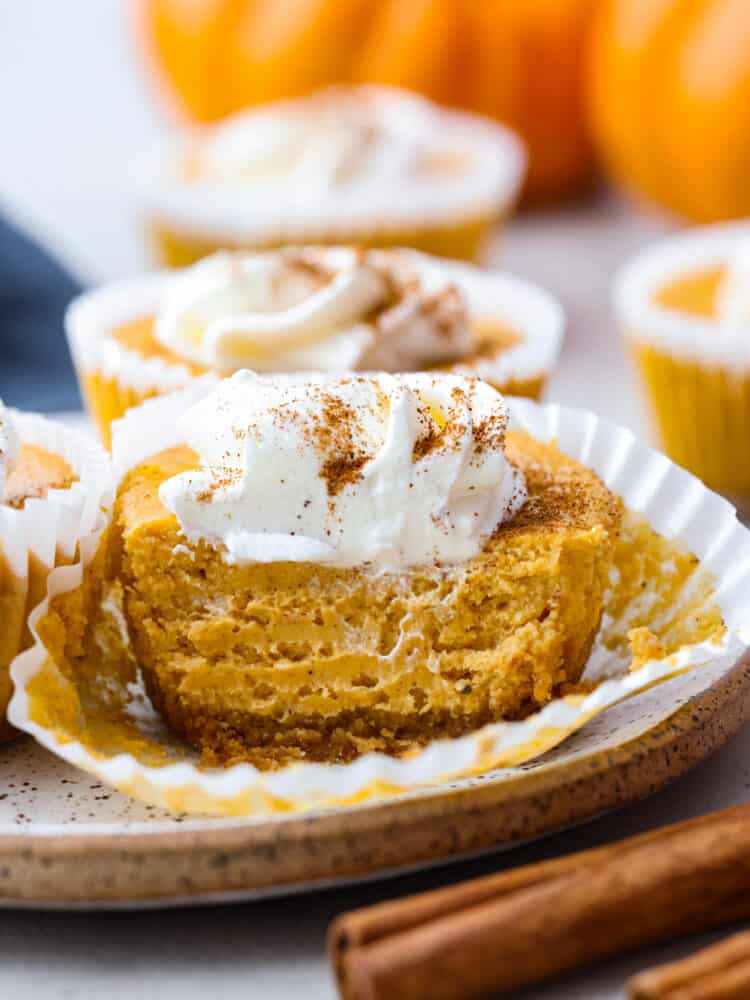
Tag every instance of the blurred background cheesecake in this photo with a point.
(326, 309)
(375, 166)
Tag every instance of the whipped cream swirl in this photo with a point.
(327, 309)
(10, 447)
(379, 470)
(333, 141)
(733, 294)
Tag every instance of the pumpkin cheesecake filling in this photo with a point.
(35, 472)
(320, 614)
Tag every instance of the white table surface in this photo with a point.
(75, 111)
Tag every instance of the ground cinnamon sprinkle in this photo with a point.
(428, 442)
(340, 471)
(218, 482)
(334, 436)
(334, 428)
(304, 263)
(489, 435)
(445, 310)
(398, 286)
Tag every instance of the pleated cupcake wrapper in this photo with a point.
(673, 502)
(695, 372)
(702, 417)
(91, 318)
(186, 213)
(249, 214)
(467, 239)
(59, 523)
(152, 427)
(519, 305)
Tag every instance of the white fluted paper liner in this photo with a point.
(672, 501)
(92, 316)
(65, 519)
(519, 305)
(64, 526)
(681, 333)
(252, 211)
(152, 426)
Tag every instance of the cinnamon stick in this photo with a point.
(721, 972)
(505, 931)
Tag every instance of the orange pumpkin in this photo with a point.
(670, 102)
(521, 61)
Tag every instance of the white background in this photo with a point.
(75, 114)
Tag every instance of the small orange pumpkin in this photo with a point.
(670, 102)
(520, 61)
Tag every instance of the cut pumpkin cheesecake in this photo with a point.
(327, 566)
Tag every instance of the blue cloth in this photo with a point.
(36, 372)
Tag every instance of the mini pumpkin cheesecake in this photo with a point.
(684, 306)
(50, 481)
(325, 565)
(369, 165)
(313, 308)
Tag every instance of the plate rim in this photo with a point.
(344, 845)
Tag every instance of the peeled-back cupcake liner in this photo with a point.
(520, 305)
(672, 502)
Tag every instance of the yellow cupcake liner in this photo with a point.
(697, 601)
(695, 372)
(467, 241)
(702, 417)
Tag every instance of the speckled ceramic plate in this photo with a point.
(66, 840)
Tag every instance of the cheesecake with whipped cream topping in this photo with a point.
(329, 309)
(684, 307)
(376, 166)
(326, 565)
(28, 474)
